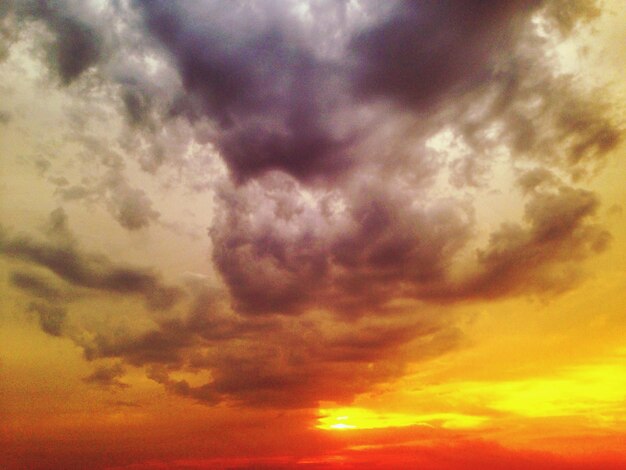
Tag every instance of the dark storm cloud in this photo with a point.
(286, 259)
(164, 345)
(274, 95)
(270, 97)
(63, 257)
(308, 364)
(427, 50)
(279, 361)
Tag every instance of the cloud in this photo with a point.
(472, 454)
(309, 358)
(542, 256)
(7, 32)
(76, 45)
(304, 362)
(107, 377)
(269, 96)
(63, 257)
(336, 207)
(278, 251)
(51, 317)
(5, 117)
(427, 51)
(130, 206)
(35, 285)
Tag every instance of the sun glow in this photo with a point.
(361, 418)
(593, 392)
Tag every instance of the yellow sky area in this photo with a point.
(346, 418)
(533, 373)
(587, 400)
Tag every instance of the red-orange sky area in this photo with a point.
(312, 234)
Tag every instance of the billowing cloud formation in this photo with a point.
(277, 250)
(425, 51)
(357, 137)
(287, 254)
(269, 95)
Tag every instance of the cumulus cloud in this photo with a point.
(287, 254)
(336, 204)
(280, 102)
(304, 362)
(280, 361)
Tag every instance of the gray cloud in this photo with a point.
(540, 256)
(107, 377)
(62, 256)
(35, 285)
(426, 51)
(51, 317)
(270, 97)
(280, 361)
(130, 206)
(334, 208)
(76, 45)
(278, 254)
(303, 363)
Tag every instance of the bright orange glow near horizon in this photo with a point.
(317, 234)
(359, 418)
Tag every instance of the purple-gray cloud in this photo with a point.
(333, 206)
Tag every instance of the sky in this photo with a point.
(312, 234)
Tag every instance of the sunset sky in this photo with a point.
(312, 234)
